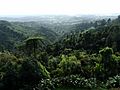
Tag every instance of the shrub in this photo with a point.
(69, 65)
(31, 73)
(113, 82)
(45, 84)
(75, 81)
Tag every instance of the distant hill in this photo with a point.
(33, 29)
(11, 34)
(8, 35)
(16, 30)
(105, 34)
(58, 23)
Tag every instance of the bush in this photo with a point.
(113, 82)
(69, 65)
(75, 81)
(45, 84)
(31, 73)
(8, 71)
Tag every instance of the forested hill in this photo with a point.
(49, 27)
(8, 36)
(85, 57)
(102, 34)
(15, 30)
(30, 29)
(60, 24)
(13, 34)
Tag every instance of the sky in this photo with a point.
(59, 7)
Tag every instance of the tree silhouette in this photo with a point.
(33, 44)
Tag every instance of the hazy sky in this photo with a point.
(68, 7)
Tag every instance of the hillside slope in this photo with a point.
(11, 34)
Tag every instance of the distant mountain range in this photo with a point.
(54, 18)
(16, 29)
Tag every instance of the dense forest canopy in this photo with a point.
(71, 52)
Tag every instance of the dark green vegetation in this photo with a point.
(38, 58)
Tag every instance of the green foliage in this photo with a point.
(46, 84)
(69, 65)
(75, 81)
(43, 58)
(53, 63)
(8, 71)
(16, 73)
(32, 44)
(113, 82)
(106, 56)
(110, 62)
(106, 51)
(80, 59)
(32, 72)
(33, 29)
(8, 36)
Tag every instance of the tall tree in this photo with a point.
(33, 44)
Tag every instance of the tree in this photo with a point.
(106, 55)
(119, 18)
(103, 22)
(109, 21)
(31, 72)
(34, 43)
(8, 71)
(69, 65)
